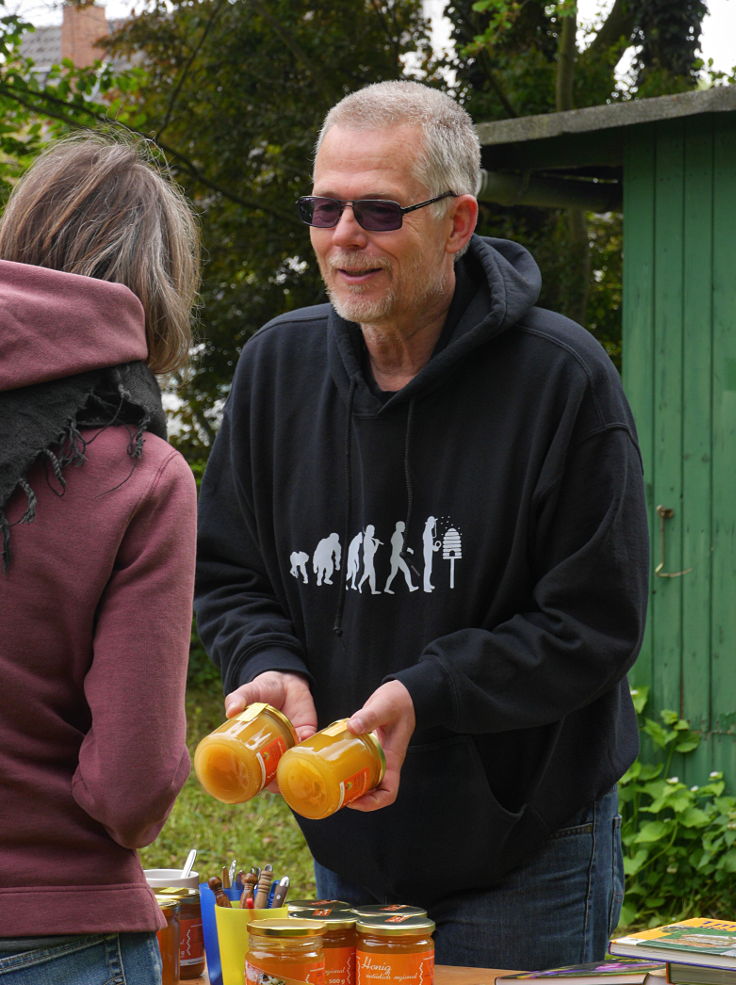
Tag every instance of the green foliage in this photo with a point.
(261, 830)
(679, 842)
(236, 93)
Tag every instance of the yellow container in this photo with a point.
(394, 948)
(238, 759)
(232, 938)
(329, 770)
(289, 949)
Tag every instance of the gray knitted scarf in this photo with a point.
(45, 421)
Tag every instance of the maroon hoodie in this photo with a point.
(95, 620)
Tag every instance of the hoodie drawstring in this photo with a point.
(337, 626)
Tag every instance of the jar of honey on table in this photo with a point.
(168, 939)
(338, 940)
(396, 948)
(289, 948)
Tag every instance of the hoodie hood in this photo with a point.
(54, 325)
(507, 282)
(72, 353)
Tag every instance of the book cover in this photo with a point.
(691, 974)
(698, 941)
(616, 971)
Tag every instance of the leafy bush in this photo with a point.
(679, 854)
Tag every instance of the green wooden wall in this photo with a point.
(679, 370)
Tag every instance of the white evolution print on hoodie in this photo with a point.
(417, 569)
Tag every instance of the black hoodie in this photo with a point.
(479, 535)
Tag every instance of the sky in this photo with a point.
(717, 41)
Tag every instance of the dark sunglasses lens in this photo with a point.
(377, 216)
(322, 212)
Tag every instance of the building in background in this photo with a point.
(76, 38)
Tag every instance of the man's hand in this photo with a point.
(389, 712)
(287, 692)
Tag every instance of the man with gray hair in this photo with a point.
(432, 392)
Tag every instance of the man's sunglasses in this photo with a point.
(376, 215)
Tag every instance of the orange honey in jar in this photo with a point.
(288, 948)
(191, 939)
(168, 939)
(329, 770)
(394, 948)
(338, 940)
(239, 759)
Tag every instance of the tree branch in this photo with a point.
(299, 53)
(615, 32)
(46, 104)
(188, 64)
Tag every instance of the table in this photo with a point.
(443, 975)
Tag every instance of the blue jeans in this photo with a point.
(560, 907)
(90, 959)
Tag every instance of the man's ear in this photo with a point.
(464, 216)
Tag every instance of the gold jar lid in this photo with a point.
(286, 927)
(334, 919)
(167, 902)
(395, 925)
(171, 892)
(254, 710)
(334, 904)
(379, 909)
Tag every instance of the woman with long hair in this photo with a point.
(98, 275)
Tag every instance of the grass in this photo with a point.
(259, 831)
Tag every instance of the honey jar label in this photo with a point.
(416, 968)
(271, 972)
(339, 966)
(268, 758)
(355, 786)
(191, 946)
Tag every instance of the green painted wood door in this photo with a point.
(679, 369)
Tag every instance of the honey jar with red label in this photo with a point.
(239, 759)
(394, 948)
(329, 770)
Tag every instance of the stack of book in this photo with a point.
(611, 971)
(699, 951)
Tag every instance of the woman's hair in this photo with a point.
(449, 158)
(99, 205)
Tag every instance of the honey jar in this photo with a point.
(288, 948)
(191, 940)
(168, 939)
(238, 759)
(338, 940)
(394, 947)
(329, 770)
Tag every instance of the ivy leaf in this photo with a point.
(652, 831)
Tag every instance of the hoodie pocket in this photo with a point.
(445, 833)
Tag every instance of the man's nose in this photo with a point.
(348, 229)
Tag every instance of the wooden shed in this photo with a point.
(670, 165)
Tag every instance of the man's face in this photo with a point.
(386, 277)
